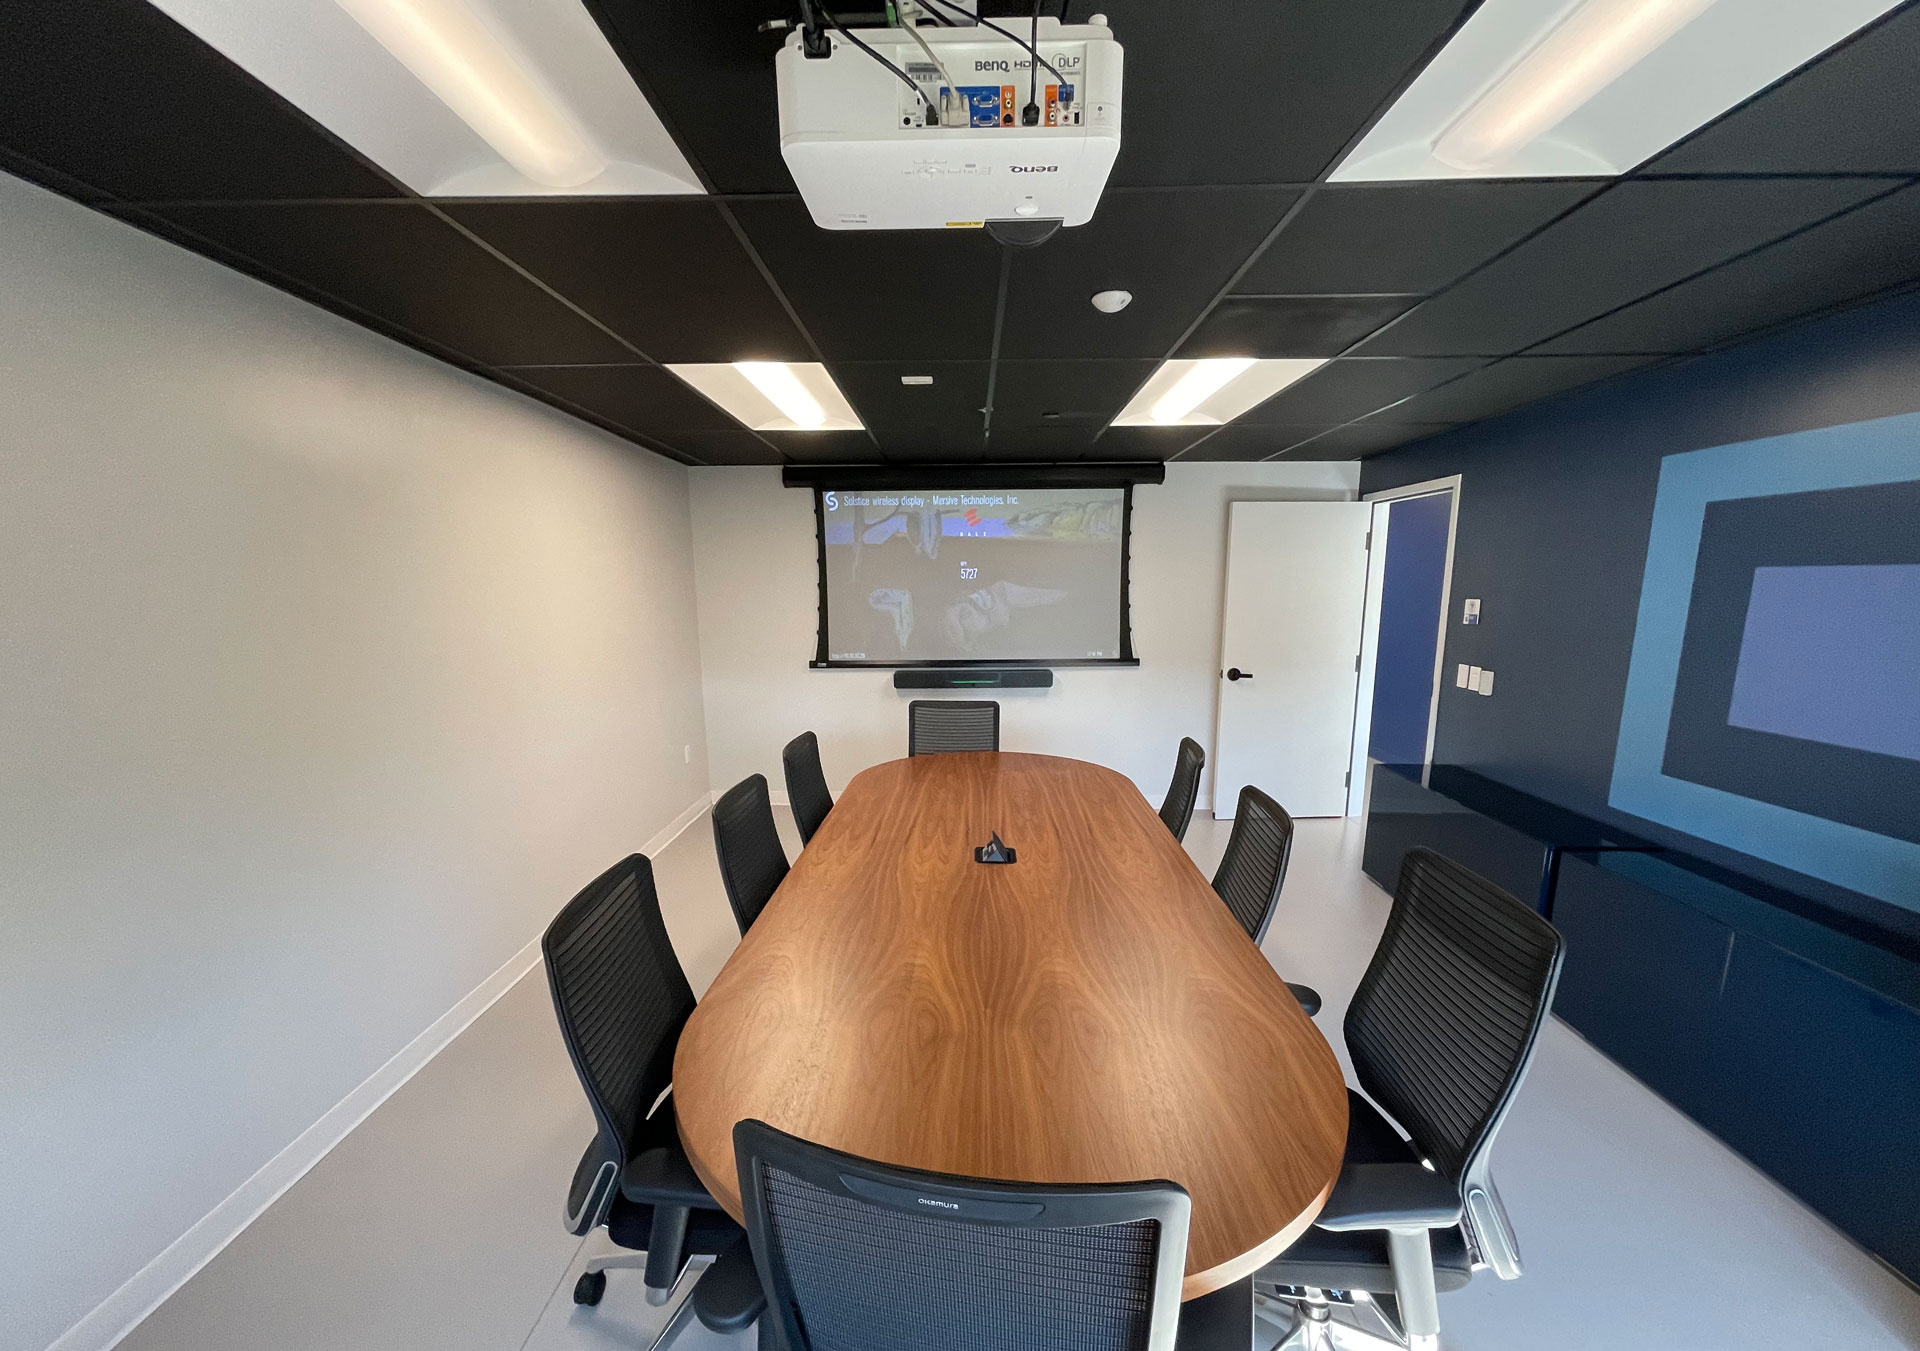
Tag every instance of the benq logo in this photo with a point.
(1033, 168)
(943, 1205)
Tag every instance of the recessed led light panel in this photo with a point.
(457, 98)
(1210, 391)
(1591, 87)
(774, 396)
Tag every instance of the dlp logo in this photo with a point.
(1033, 168)
(943, 1205)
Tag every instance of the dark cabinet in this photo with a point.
(1794, 1042)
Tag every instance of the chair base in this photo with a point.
(676, 1299)
(1307, 1323)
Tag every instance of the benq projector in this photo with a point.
(869, 153)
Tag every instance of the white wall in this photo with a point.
(757, 578)
(327, 673)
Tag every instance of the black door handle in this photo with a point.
(1235, 673)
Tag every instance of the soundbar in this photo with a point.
(973, 678)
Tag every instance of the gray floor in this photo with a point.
(437, 1223)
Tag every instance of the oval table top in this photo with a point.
(1089, 1013)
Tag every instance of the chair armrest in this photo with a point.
(729, 1297)
(1390, 1196)
(663, 1176)
(1308, 996)
(595, 1180)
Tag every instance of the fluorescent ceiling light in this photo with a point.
(1202, 380)
(1594, 45)
(457, 98)
(777, 381)
(774, 396)
(485, 82)
(1210, 390)
(1539, 89)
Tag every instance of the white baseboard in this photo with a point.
(777, 796)
(695, 810)
(122, 1311)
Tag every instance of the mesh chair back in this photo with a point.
(857, 1255)
(806, 784)
(1184, 791)
(1255, 864)
(752, 863)
(935, 725)
(1446, 1017)
(620, 996)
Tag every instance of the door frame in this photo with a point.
(1357, 785)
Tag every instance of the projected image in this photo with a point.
(971, 575)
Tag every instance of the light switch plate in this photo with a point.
(1464, 676)
(1485, 682)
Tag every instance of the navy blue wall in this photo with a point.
(1555, 508)
(1412, 580)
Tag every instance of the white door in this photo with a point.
(1296, 594)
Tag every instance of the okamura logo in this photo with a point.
(943, 1205)
(1033, 168)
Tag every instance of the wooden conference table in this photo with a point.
(1089, 1013)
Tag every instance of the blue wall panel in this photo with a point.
(1412, 581)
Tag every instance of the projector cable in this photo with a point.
(905, 78)
(951, 93)
(1017, 41)
(1030, 115)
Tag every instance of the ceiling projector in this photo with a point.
(929, 128)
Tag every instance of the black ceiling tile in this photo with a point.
(667, 274)
(644, 398)
(1043, 445)
(738, 446)
(116, 94)
(880, 294)
(1260, 93)
(1064, 394)
(910, 458)
(1246, 442)
(1352, 387)
(1853, 111)
(1407, 237)
(708, 72)
(1365, 438)
(826, 447)
(1505, 385)
(1144, 443)
(1174, 251)
(1867, 250)
(937, 444)
(1291, 326)
(952, 403)
(400, 263)
(1633, 239)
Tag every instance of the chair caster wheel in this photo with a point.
(588, 1289)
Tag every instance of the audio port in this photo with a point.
(1007, 121)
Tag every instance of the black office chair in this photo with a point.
(858, 1254)
(622, 999)
(1441, 1031)
(806, 784)
(752, 863)
(1184, 791)
(935, 725)
(1253, 870)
